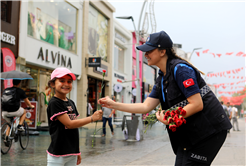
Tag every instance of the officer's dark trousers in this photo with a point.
(203, 153)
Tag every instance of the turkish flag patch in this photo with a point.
(188, 83)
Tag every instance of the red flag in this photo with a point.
(244, 55)
(198, 54)
(228, 72)
(239, 53)
(212, 54)
(205, 51)
(229, 53)
(219, 55)
(241, 77)
(8, 64)
(233, 71)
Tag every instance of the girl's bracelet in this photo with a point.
(91, 119)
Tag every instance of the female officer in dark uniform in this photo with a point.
(197, 142)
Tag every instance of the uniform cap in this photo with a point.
(156, 40)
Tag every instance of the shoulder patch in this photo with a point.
(188, 83)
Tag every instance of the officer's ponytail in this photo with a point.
(172, 55)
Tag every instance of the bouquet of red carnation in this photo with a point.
(173, 116)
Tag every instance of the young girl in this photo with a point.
(197, 142)
(63, 122)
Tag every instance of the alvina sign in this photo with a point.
(55, 57)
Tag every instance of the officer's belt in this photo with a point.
(204, 90)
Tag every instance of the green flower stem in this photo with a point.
(94, 135)
(98, 108)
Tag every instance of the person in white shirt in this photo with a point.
(233, 115)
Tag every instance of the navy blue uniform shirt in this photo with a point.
(185, 77)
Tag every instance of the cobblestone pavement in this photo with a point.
(154, 149)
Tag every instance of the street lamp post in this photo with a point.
(193, 51)
(140, 124)
(137, 71)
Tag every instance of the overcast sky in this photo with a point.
(215, 25)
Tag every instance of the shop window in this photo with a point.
(119, 59)
(148, 74)
(94, 90)
(38, 86)
(97, 34)
(53, 22)
(6, 7)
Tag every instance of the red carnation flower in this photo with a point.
(183, 112)
(172, 114)
(172, 127)
(177, 112)
(165, 117)
(167, 113)
(179, 122)
(170, 120)
(104, 71)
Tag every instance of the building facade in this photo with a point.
(134, 67)
(49, 37)
(97, 41)
(9, 35)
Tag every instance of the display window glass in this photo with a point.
(148, 74)
(94, 90)
(38, 85)
(119, 59)
(97, 34)
(53, 22)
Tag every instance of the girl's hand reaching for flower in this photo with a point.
(160, 117)
(97, 115)
(106, 102)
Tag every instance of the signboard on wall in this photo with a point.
(118, 88)
(31, 115)
(99, 70)
(94, 62)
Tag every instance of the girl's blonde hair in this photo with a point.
(172, 55)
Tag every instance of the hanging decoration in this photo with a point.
(239, 54)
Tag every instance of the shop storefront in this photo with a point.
(48, 39)
(9, 36)
(97, 42)
(96, 88)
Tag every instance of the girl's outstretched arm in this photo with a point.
(71, 124)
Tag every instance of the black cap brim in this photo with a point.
(145, 48)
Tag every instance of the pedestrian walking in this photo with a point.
(180, 84)
(229, 109)
(107, 116)
(225, 109)
(234, 114)
(63, 123)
